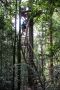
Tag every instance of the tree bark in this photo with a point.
(14, 48)
(19, 49)
(51, 9)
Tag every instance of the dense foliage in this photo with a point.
(30, 59)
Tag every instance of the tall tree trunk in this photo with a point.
(51, 52)
(1, 53)
(51, 9)
(42, 59)
(19, 49)
(14, 48)
(30, 81)
(30, 51)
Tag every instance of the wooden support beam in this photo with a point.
(26, 12)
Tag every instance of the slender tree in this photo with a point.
(51, 9)
(19, 48)
(14, 46)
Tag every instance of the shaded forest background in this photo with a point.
(30, 50)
